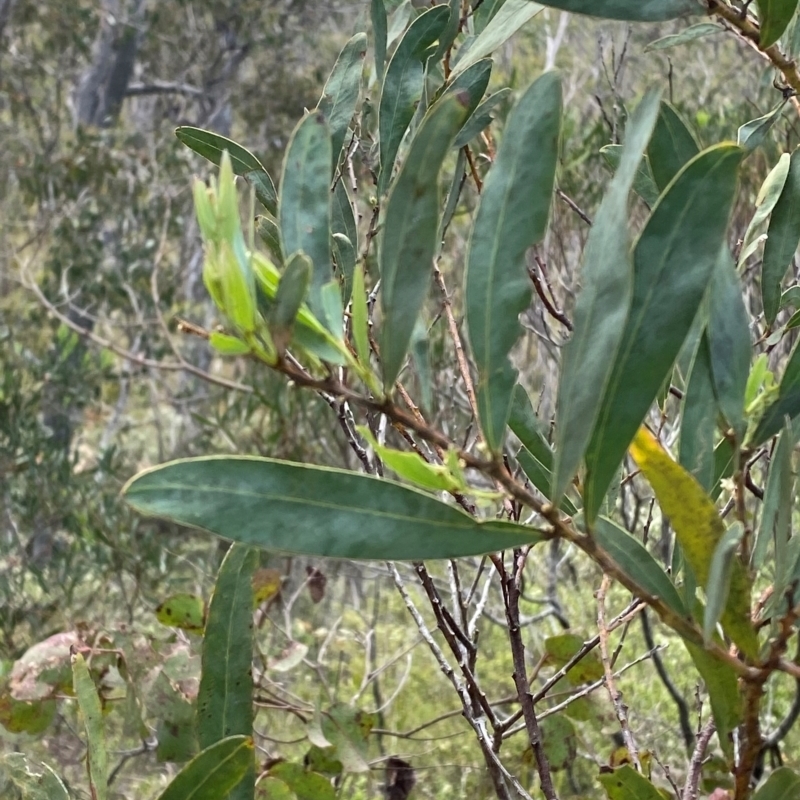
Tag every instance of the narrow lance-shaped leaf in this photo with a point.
(601, 307)
(408, 241)
(632, 557)
(719, 578)
(470, 84)
(513, 14)
(89, 703)
(379, 32)
(729, 343)
(343, 222)
(671, 146)
(783, 236)
(776, 510)
(212, 146)
(752, 133)
(625, 783)
(214, 772)
(288, 299)
(225, 696)
(787, 404)
(305, 200)
(512, 215)
(673, 262)
(690, 34)
(774, 17)
(340, 94)
(481, 118)
(630, 10)
(698, 529)
(699, 418)
(643, 183)
(403, 86)
(768, 196)
(294, 508)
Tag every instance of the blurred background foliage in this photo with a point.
(95, 210)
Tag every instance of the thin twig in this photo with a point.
(698, 757)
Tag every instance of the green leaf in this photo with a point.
(782, 784)
(409, 238)
(267, 230)
(728, 335)
(625, 783)
(630, 10)
(719, 578)
(783, 236)
(347, 728)
(601, 308)
(341, 90)
(722, 685)
(470, 84)
(403, 86)
(689, 34)
(559, 741)
(36, 781)
(343, 222)
(753, 133)
(698, 529)
(305, 785)
(289, 298)
(228, 345)
(224, 699)
(304, 206)
(186, 611)
(225, 696)
(774, 17)
(559, 651)
(378, 16)
(360, 317)
(698, 421)
(509, 19)
(481, 118)
(213, 773)
(787, 403)
(295, 508)
(674, 261)
(412, 467)
(768, 196)
(643, 183)
(634, 560)
(26, 716)
(89, 703)
(671, 146)
(776, 510)
(512, 215)
(212, 146)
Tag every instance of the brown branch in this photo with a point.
(696, 764)
(574, 206)
(620, 709)
(512, 590)
(548, 303)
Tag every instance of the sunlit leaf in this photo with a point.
(295, 508)
(305, 785)
(512, 215)
(787, 403)
(699, 529)
(182, 610)
(625, 783)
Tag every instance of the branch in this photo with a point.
(696, 764)
(163, 87)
